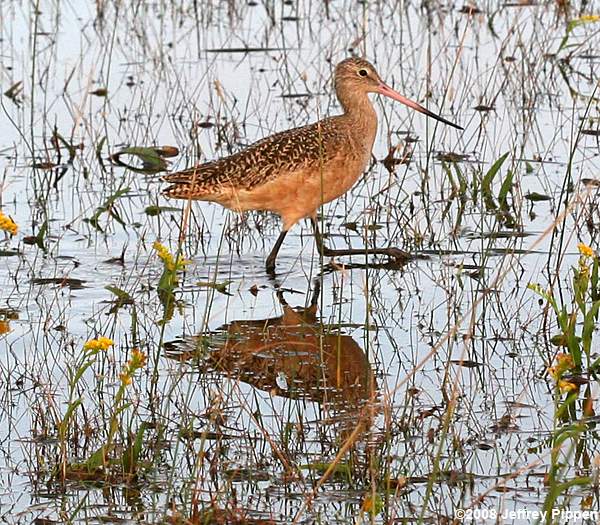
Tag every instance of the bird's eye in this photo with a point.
(363, 72)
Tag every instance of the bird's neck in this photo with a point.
(357, 105)
(360, 113)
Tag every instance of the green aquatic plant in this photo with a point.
(101, 458)
(98, 463)
(91, 349)
(576, 321)
(169, 278)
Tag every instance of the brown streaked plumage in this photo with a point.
(294, 172)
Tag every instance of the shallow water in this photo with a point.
(219, 438)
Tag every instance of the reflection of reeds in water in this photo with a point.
(294, 356)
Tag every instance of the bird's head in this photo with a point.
(357, 75)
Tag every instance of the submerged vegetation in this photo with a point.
(172, 381)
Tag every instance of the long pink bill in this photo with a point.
(386, 90)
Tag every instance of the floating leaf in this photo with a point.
(153, 158)
(14, 92)
(219, 287)
(44, 165)
(243, 49)
(450, 156)
(157, 210)
(167, 151)
(100, 92)
(122, 295)
(73, 284)
(535, 197)
(467, 363)
(244, 474)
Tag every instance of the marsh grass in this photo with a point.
(462, 413)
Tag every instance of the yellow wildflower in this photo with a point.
(565, 361)
(138, 359)
(7, 224)
(164, 254)
(566, 386)
(125, 378)
(167, 258)
(102, 343)
(590, 18)
(585, 250)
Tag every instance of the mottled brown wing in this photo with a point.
(265, 160)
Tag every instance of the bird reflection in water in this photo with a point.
(295, 356)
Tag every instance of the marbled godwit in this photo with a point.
(294, 172)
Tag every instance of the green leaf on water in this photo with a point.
(122, 296)
(157, 210)
(535, 197)
(219, 287)
(100, 92)
(153, 158)
(14, 92)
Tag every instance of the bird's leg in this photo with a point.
(270, 266)
(316, 292)
(324, 251)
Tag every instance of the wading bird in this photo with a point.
(294, 172)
